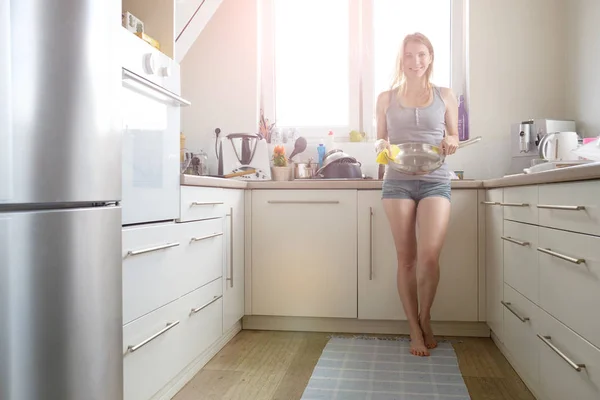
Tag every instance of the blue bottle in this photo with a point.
(321, 151)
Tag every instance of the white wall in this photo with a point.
(219, 76)
(582, 54)
(516, 72)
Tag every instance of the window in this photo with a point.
(324, 62)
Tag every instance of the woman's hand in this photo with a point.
(380, 145)
(449, 144)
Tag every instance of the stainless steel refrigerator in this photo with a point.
(60, 187)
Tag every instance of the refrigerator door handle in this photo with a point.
(6, 145)
(151, 85)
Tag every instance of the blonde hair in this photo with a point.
(399, 77)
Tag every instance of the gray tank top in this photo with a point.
(422, 125)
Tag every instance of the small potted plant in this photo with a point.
(280, 170)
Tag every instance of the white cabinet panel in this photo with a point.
(494, 260)
(149, 281)
(233, 282)
(520, 204)
(201, 203)
(521, 325)
(570, 280)
(573, 206)
(521, 269)
(304, 257)
(158, 346)
(456, 298)
(559, 378)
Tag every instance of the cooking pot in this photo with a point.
(341, 170)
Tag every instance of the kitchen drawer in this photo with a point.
(519, 204)
(559, 380)
(150, 254)
(202, 253)
(158, 346)
(521, 258)
(571, 206)
(155, 356)
(199, 202)
(521, 325)
(570, 280)
(203, 309)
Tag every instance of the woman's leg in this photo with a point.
(401, 216)
(433, 214)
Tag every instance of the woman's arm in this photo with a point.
(450, 142)
(382, 134)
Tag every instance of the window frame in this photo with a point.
(361, 104)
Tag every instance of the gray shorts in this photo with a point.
(414, 189)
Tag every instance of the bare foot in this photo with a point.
(417, 345)
(430, 341)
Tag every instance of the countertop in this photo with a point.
(567, 174)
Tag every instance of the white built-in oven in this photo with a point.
(151, 125)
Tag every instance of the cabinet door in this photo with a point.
(457, 295)
(456, 299)
(377, 263)
(494, 260)
(233, 289)
(304, 258)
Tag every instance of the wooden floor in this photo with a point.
(277, 366)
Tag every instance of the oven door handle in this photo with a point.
(155, 87)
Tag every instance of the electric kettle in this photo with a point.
(558, 146)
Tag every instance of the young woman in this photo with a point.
(417, 207)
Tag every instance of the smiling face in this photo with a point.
(416, 59)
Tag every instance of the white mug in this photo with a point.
(559, 146)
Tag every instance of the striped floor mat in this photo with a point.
(376, 369)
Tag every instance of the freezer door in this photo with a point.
(65, 94)
(5, 102)
(61, 305)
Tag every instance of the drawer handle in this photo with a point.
(561, 256)
(230, 278)
(515, 241)
(370, 243)
(515, 204)
(196, 310)
(303, 202)
(490, 203)
(508, 306)
(566, 208)
(169, 326)
(210, 203)
(198, 239)
(151, 249)
(546, 339)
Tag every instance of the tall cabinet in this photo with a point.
(233, 284)
(494, 260)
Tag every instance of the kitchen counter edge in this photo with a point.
(569, 174)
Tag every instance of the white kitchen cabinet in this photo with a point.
(521, 270)
(521, 325)
(304, 257)
(233, 282)
(159, 345)
(520, 204)
(377, 263)
(456, 299)
(570, 280)
(572, 206)
(569, 365)
(494, 260)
